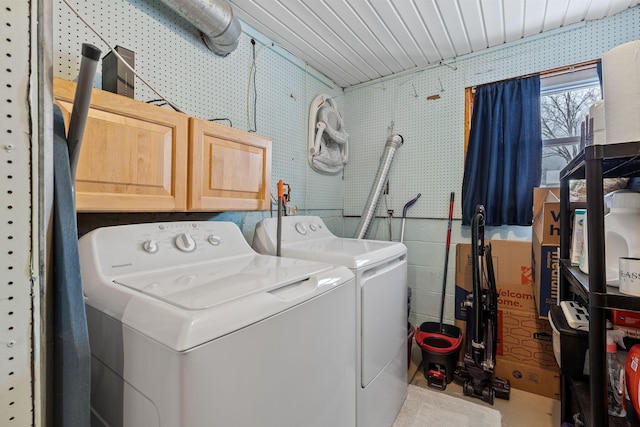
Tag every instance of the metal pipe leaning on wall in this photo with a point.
(81, 102)
(214, 18)
(368, 214)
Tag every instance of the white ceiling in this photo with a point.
(355, 41)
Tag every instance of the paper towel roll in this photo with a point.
(621, 85)
(596, 112)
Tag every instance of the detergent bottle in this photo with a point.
(632, 377)
(615, 374)
(621, 233)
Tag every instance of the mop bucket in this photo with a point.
(440, 351)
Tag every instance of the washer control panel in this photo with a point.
(141, 247)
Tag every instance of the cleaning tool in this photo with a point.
(404, 214)
(440, 343)
(482, 319)
(446, 257)
(410, 329)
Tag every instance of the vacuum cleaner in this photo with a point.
(476, 376)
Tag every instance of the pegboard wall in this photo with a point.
(171, 56)
(431, 161)
(16, 303)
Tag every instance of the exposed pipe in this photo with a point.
(81, 102)
(214, 18)
(393, 143)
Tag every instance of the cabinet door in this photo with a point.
(133, 156)
(229, 169)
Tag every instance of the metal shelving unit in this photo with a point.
(593, 163)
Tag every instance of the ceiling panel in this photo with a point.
(513, 20)
(555, 14)
(534, 12)
(435, 27)
(474, 24)
(355, 41)
(577, 10)
(493, 21)
(455, 27)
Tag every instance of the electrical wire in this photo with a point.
(160, 103)
(255, 91)
(174, 106)
(222, 119)
(251, 84)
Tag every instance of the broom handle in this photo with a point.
(446, 259)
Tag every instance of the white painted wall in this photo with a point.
(431, 160)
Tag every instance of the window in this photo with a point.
(565, 99)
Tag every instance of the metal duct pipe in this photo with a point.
(393, 143)
(214, 18)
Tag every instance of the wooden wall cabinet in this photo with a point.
(229, 169)
(137, 157)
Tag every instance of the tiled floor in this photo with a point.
(522, 409)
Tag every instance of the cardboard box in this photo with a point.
(546, 215)
(524, 338)
(513, 271)
(531, 378)
(545, 238)
(626, 318)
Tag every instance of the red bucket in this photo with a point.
(440, 347)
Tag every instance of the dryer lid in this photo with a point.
(307, 237)
(352, 253)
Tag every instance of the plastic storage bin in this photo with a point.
(569, 345)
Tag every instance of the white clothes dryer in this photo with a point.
(381, 306)
(189, 327)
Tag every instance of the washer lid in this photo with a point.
(206, 286)
(185, 307)
(352, 253)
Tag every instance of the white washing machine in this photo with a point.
(189, 327)
(381, 306)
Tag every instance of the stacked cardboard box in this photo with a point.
(525, 349)
(545, 237)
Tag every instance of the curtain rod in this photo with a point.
(558, 71)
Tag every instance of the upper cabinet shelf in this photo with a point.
(137, 157)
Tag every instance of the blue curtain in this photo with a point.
(504, 153)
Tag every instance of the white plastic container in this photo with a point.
(556, 341)
(621, 234)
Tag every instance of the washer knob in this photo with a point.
(214, 240)
(301, 228)
(312, 227)
(150, 246)
(185, 242)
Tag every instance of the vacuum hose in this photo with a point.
(368, 214)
